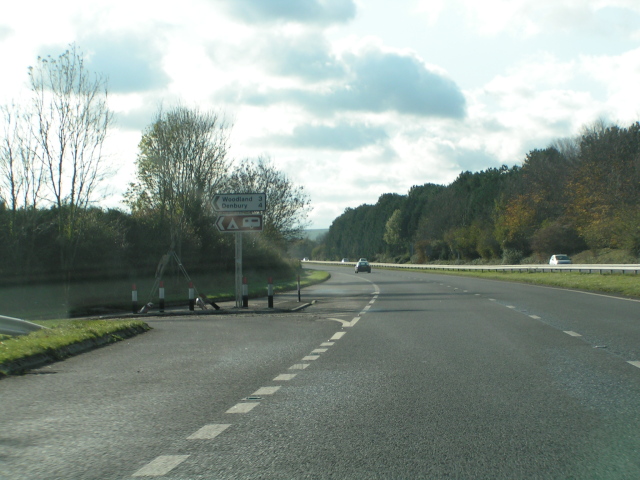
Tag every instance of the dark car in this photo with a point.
(363, 267)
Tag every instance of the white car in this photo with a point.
(559, 260)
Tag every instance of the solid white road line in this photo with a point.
(573, 334)
(209, 431)
(284, 377)
(161, 466)
(243, 407)
(266, 390)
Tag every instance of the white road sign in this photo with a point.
(239, 223)
(240, 202)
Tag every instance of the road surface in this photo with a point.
(392, 374)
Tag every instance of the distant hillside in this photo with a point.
(315, 233)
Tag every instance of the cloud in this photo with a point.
(375, 81)
(132, 62)
(342, 136)
(319, 12)
(306, 56)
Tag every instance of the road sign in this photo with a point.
(239, 223)
(240, 202)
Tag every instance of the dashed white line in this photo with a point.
(573, 334)
(338, 335)
(535, 317)
(310, 358)
(510, 306)
(299, 366)
(209, 431)
(243, 407)
(320, 350)
(352, 322)
(266, 390)
(161, 466)
(284, 377)
(327, 344)
(634, 363)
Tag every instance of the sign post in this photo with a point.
(238, 205)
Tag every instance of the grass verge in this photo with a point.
(61, 339)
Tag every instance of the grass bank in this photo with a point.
(61, 339)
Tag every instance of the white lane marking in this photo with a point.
(510, 306)
(266, 390)
(327, 344)
(299, 366)
(310, 358)
(343, 322)
(352, 322)
(535, 317)
(573, 334)
(284, 377)
(373, 300)
(320, 350)
(161, 466)
(243, 407)
(478, 295)
(337, 335)
(492, 299)
(365, 309)
(209, 431)
(634, 363)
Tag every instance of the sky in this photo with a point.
(351, 99)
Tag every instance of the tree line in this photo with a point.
(577, 194)
(53, 172)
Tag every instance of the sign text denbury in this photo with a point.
(240, 202)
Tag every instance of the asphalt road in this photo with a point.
(388, 375)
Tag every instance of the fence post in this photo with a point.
(245, 293)
(270, 293)
(298, 288)
(192, 297)
(161, 295)
(134, 299)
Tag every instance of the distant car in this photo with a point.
(559, 260)
(344, 260)
(305, 259)
(363, 267)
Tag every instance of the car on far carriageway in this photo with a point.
(559, 260)
(363, 266)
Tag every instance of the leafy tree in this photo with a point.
(288, 205)
(182, 162)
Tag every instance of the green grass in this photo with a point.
(60, 334)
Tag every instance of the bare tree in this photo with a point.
(20, 169)
(71, 119)
(182, 161)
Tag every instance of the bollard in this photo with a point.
(161, 295)
(192, 297)
(270, 293)
(134, 299)
(298, 288)
(245, 293)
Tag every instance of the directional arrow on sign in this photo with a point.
(239, 223)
